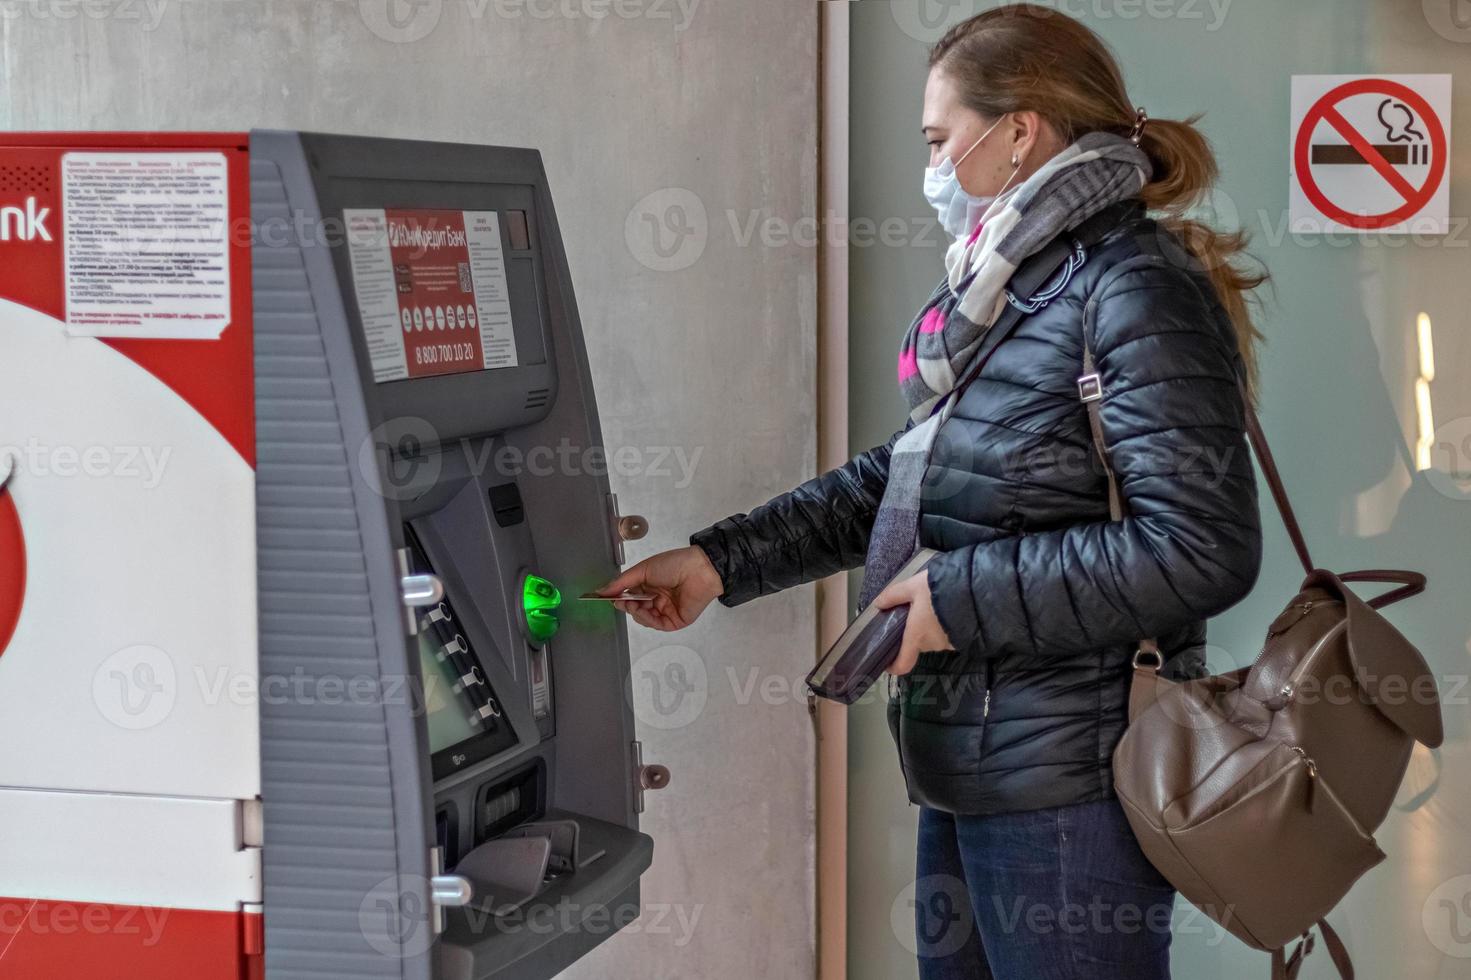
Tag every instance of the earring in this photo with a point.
(1014, 161)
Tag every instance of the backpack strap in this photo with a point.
(1286, 967)
(1411, 583)
(1090, 392)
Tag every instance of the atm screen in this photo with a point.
(431, 290)
(462, 711)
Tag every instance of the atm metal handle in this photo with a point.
(422, 590)
(419, 590)
(445, 890)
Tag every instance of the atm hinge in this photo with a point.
(252, 929)
(250, 838)
(612, 503)
(252, 823)
(646, 778)
(629, 528)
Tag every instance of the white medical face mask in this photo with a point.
(958, 210)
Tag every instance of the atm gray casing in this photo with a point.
(350, 804)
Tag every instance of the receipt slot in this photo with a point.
(318, 685)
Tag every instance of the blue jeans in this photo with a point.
(1062, 893)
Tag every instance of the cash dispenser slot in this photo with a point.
(554, 882)
(509, 871)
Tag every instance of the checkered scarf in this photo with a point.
(1098, 170)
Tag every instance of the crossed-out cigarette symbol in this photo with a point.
(1405, 143)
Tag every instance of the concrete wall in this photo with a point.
(1339, 407)
(687, 119)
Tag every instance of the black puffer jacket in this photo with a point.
(1042, 595)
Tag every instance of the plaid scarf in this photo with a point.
(1097, 170)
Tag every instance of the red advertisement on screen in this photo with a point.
(436, 292)
(431, 291)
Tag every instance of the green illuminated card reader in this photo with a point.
(540, 601)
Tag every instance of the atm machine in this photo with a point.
(385, 491)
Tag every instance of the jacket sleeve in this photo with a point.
(808, 533)
(1190, 544)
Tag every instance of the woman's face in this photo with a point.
(951, 128)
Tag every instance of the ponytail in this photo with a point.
(1185, 171)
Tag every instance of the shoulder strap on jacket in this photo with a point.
(1090, 391)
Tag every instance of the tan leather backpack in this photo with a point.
(1257, 792)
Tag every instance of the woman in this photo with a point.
(1014, 669)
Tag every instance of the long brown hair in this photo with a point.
(1025, 57)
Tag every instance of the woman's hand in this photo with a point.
(682, 582)
(922, 629)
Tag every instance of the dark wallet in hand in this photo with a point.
(867, 646)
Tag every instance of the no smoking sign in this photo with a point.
(1370, 153)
